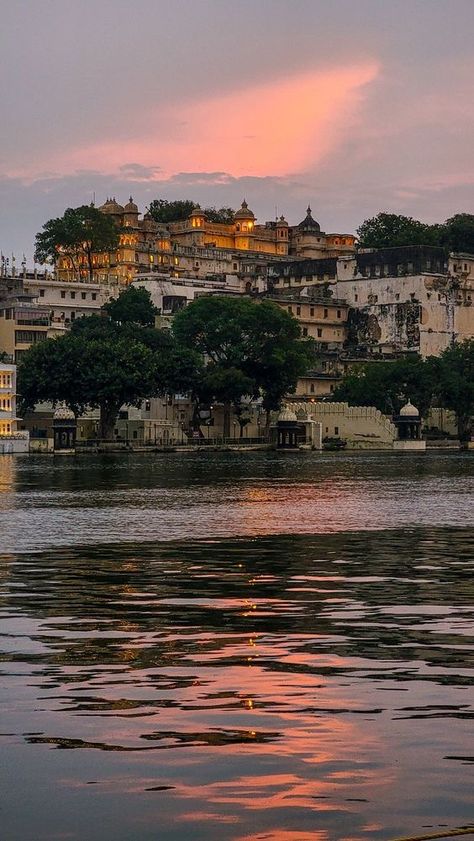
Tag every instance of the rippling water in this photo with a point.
(231, 647)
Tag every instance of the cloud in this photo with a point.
(290, 125)
(139, 172)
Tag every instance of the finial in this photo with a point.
(308, 210)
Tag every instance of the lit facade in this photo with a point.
(7, 399)
(202, 248)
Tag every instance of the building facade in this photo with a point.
(199, 247)
(11, 440)
(413, 299)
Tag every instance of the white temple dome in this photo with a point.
(409, 410)
(63, 413)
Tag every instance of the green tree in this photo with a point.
(134, 305)
(457, 233)
(78, 234)
(250, 348)
(105, 364)
(162, 210)
(166, 211)
(388, 385)
(223, 216)
(455, 385)
(388, 230)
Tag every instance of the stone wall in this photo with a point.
(363, 427)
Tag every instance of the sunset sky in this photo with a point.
(354, 106)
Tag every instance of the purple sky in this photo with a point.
(354, 106)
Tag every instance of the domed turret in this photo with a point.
(197, 217)
(63, 413)
(131, 207)
(244, 213)
(309, 224)
(409, 411)
(112, 208)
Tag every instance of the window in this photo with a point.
(320, 332)
(73, 295)
(94, 296)
(73, 315)
(83, 296)
(234, 266)
(311, 388)
(325, 312)
(298, 310)
(356, 297)
(63, 294)
(41, 293)
(305, 331)
(339, 313)
(336, 430)
(290, 309)
(311, 311)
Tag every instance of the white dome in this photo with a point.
(409, 410)
(287, 416)
(63, 413)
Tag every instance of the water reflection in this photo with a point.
(279, 687)
(90, 500)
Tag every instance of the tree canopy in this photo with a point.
(103, 364)
(134, 305)
(166, 211)
(455, 384)
(250, 348)
(447, 381)
(388, 385)
(389, 230)
(78, 234)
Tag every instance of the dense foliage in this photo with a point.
(446, 381)
(104, 364)
(78, 234)
(166, 211)
(134, 305)
(249, 348)
(389, 230)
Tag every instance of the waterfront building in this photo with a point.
(23, 322)
(11, 440)
(408, 424)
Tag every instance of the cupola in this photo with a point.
(309, 224)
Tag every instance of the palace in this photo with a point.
(202, 248)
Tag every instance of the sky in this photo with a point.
(352, 106)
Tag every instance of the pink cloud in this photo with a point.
(275, 128)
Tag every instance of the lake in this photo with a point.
(236, 646)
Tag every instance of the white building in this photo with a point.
(68, 300)
(170, 294)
